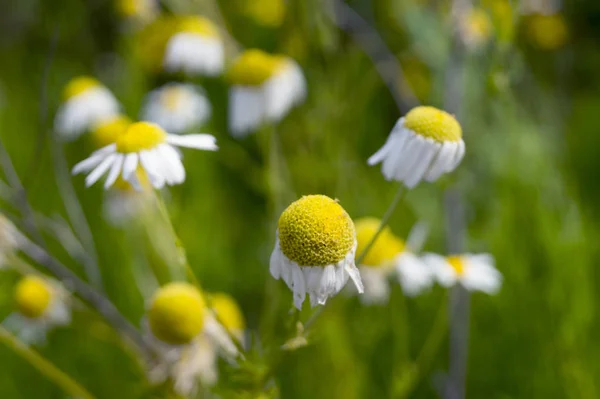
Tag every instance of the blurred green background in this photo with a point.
(529, 105)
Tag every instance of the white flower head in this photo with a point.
(196, 48)
(414, 275)
(176, 107)
(423, 145)
(187, 337)
(377, 264)
(314, 250)
(149, 146)
(475, 272)
(42, 305)
(86, 103)
(264, 88)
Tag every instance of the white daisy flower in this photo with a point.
(475, 272)
(196, 48)
(176, 107)
(187, 338)
(315, 248)
(9, 240)
(389, 255)
(42, 305)
(264, 89)
(423, 145)
(86, 103)
(149, 146)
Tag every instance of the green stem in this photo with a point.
(384, 221)
(44, 366)
(426, 356)
(181, 253)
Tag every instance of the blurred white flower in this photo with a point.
(414, 275)
(42, 305)
(176, 107)
(149, 146)
(424, 144)
(314, 250)
(187, 338)
(475, 272)
(264, 89)
(86, 102)
(195, 49)
(123, 203)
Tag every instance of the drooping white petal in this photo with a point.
(197, 141)
(115, 170)
(355, 276)
(171, 159)
(100, 170)
(299, 287)
(429, 150)
(440, 162)
(130, 166)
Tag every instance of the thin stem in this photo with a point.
(384, 221)
(44, 366)
(181, 253)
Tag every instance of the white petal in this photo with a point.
(275, 263)
(458, 156)
(444, 157)
(413, 152)
(444, 273)
(355, 276)
(422, 164)
(299, 287)
(328, 281)
(89, 163)
(151, 165)
(114, 171)
(171, 158)
(130, 165)
(100, 170)
(197, 141)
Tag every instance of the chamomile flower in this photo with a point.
(475, 28)
(264, 88)
(475, 272)
(86, 102)
(186, 336)
(9, 240)
(228, 313)
(176, 107)
(147, 145)
(41, 305)
(423, 145)
(388, 256)
(314, 250)
(196, 48)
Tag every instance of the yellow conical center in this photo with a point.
(478, 25)
(172, 97)
(199, 26)
(108, 132)
(316, 231)
(266, 12)
(140, 136)
(254, 67)
(176, 314)
(457, 263)
(78, 86)
(32, 296)
(433, 123)
(384, 249)
(228, 312)
(548, 32)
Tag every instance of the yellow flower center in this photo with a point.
(172, 97)
(123, 185)
(254, 67)
(266, 12)
(316, 231)
(384, 249)
(140, 136)
(227, 311)
(32, 296)
(78, 86)
(198, 25)
(176, 314)
(548, 32)
(433, 123)
(458, 263)
(108, 132)
(478, 25)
